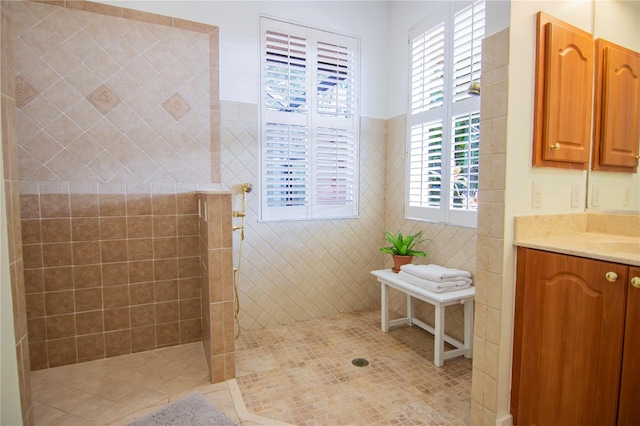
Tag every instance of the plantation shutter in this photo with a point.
(427, 71)
(443, 127)
(335, 152)
(425, 163)
(309, 123)
(467, 48)
(465, 156)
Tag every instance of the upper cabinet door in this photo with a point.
(564, 75)
(617, 111)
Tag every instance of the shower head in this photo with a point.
(247, 187)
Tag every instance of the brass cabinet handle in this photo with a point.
(555, 146)
(611, 276)
(635, 281)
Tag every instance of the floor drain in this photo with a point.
(359, 362)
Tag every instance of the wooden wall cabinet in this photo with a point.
(576, 356)
(616, 135)
(563, 94)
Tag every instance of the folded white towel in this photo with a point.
(435, 273)
(436, 287)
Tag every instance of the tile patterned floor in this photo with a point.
(298, 374)
(302, 374)
(116, 391)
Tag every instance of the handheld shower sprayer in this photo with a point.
(245, 188)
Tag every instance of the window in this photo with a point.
(444, 122)
(309, 120)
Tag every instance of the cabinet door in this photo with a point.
(572, 329)
(569, 72)
(629, 408)
(617, 119)
(563, 97)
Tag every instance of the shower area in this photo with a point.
(113, 144)
(117, 158)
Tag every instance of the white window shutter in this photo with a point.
(309, 123)
(285, 72)
(427, 71)
(286, 165)
(467, 48)
(465, 157)
(425, 164)
(444, 121)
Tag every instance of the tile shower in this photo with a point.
(117, 124)
(107, 142)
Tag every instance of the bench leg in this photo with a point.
(438, 350)
(410, 310)
(384, 307)
(468, 327)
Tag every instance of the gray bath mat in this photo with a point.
(192, 410)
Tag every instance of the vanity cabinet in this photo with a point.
(576, 349)
(616, 133)
(563, 94)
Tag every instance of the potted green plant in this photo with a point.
(402, 248)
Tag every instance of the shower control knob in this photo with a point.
(611, 277)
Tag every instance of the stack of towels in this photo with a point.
(435, 278)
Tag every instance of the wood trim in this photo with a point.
(539, 96)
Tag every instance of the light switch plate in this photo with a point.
(536, 195)
(595, 196)
(575, 194)
(626, 196)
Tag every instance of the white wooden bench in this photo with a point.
(388, 279)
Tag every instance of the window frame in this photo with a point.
(450, 109)
(317, 127)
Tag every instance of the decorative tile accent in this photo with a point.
(103, 99)
(24, 92)
(176, 106)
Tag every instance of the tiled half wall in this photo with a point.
(218, 308)
(109, 272)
